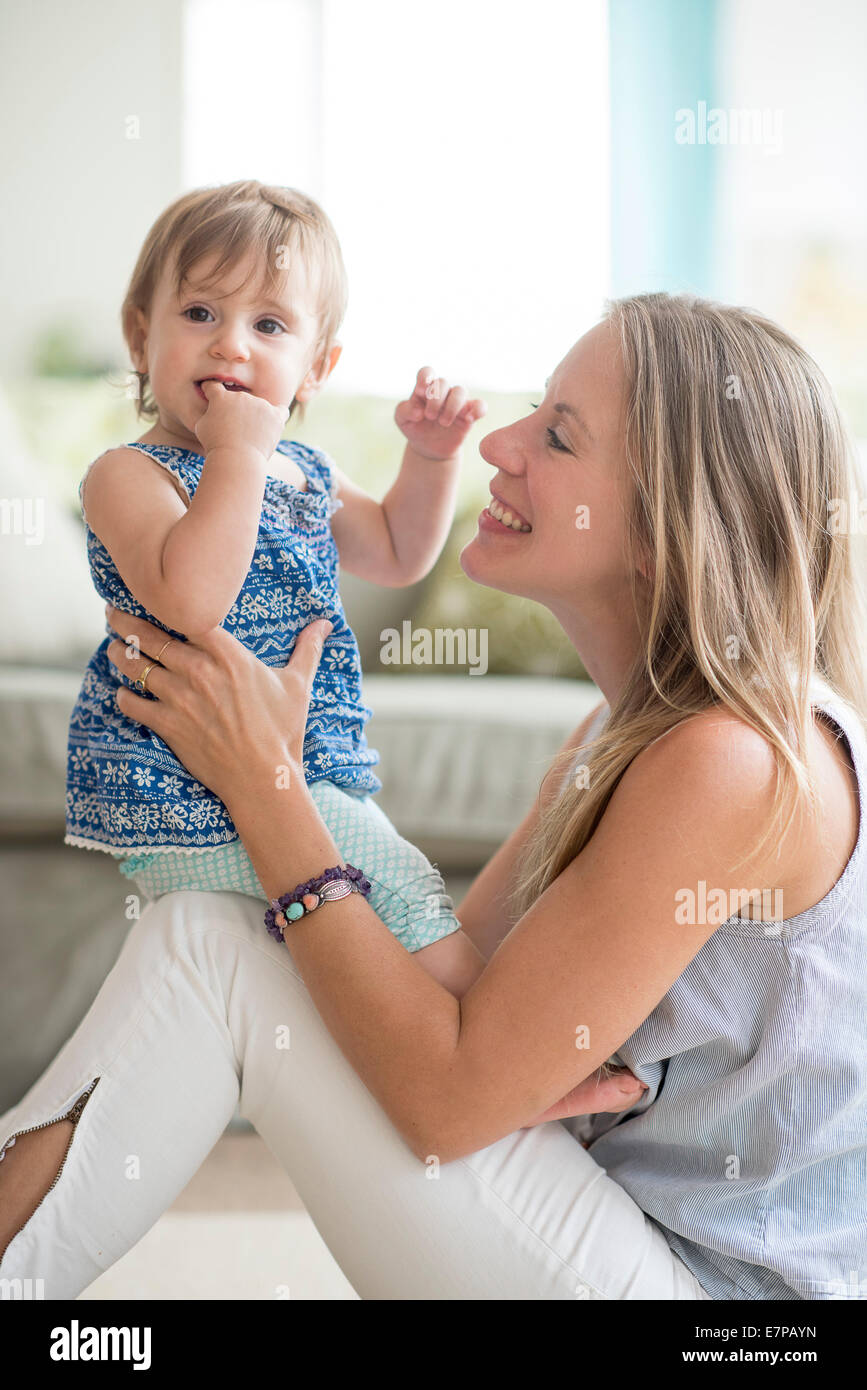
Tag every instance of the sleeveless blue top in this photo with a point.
(125, 788)
(749, 1150)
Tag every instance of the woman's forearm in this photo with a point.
(397, 1026)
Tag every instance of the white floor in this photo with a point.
(237, 1231)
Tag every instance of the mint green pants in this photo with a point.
(407, 892)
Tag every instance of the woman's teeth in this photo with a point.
(499, 513)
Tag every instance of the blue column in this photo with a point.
(662, 59)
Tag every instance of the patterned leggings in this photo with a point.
(407, 892)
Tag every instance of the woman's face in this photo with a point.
(561, 470)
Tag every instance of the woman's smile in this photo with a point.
(497, 518)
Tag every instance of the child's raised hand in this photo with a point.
(239, 420)
(436, 419)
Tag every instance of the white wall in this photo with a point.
(78, 194)
(793, 225)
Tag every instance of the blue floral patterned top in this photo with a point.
(125, 788)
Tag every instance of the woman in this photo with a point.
(677, 481)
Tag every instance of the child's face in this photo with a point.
(219, 329)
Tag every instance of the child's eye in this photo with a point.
(552, 437)
(201, 308)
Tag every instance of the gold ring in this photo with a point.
(168, 644)
(144, 675)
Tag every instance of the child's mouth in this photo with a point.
(229, 385)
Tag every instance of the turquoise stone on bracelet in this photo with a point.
(294, 911)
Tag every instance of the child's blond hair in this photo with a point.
(274, 223)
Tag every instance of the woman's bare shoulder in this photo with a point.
(715, 758)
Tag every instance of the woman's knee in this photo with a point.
(178, 918)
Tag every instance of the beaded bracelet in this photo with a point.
(328, 886)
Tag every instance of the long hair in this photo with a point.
(278, 225)
(737, 458)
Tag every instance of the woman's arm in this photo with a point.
(576, 975)
(483, 912)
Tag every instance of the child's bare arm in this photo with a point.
(186, 561)
(396, 541)
(454, 961)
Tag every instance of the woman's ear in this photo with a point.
(319, 374)
(644, 565)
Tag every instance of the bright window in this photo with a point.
(461, 151)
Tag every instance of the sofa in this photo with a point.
(462, 756)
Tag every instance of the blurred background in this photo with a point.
(495, 170)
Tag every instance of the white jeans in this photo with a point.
(187, 1023)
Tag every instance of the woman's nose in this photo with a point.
(500, 449)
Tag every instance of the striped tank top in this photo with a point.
(749, 1150)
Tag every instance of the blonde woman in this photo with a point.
(688, 890)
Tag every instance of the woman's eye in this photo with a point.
(554, 441)
(552, 437)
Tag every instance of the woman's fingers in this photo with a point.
(307, 653)
(144, 637)
(597, 1095)
(152, 713)
(136, 665)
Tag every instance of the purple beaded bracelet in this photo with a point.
(308, 896)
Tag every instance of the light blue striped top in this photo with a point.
(749, 1150)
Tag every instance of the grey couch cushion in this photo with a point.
(62, 926)
(463, 757)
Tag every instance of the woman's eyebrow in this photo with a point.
(564, 409)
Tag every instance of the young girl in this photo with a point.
(211, 518)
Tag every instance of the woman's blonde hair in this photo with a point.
(737, 457)
(277, 225)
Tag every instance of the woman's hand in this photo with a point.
(436, 419)
(229, 718)
(598, 1095)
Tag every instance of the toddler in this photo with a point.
(210, 518)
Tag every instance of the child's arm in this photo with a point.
(186, 563)
(396, 541)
